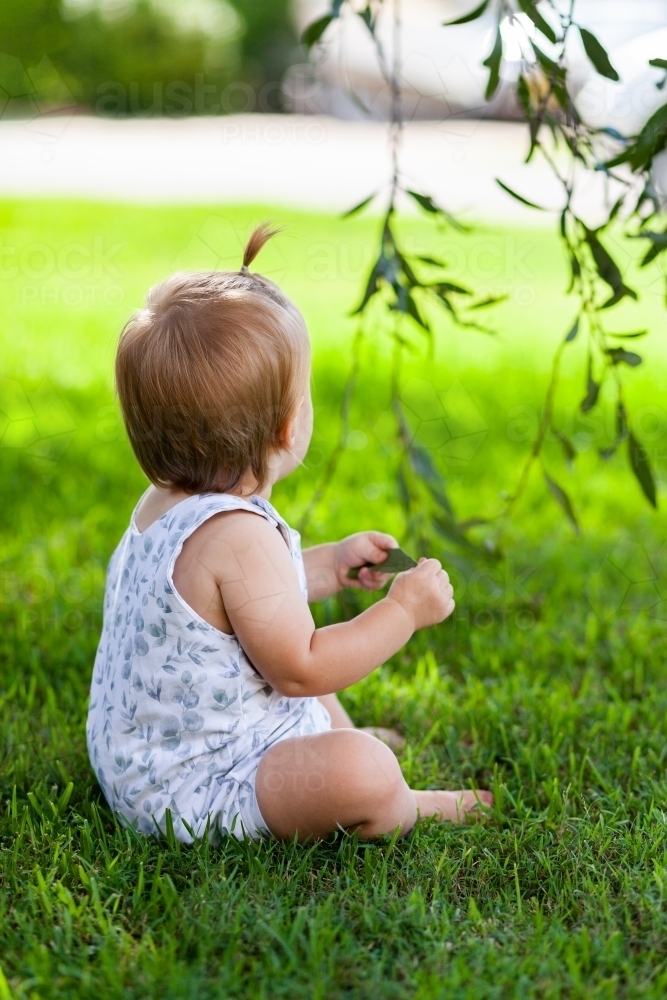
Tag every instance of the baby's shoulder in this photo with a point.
(236, 531)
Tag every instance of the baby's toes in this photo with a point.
(474, 801)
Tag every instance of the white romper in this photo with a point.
(179, 718)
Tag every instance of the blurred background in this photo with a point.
(178, 57)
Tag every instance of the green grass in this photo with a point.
(548, 685)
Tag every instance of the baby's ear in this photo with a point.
(287, 433)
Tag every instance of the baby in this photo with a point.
(213, 694)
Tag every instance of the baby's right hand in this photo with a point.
(425, 592)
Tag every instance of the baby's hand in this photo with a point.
(355, 551)
(425, 592)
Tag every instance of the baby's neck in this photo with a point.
(159, 499)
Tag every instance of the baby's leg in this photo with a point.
(313, 785)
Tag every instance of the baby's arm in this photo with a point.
(327, 565)
(261, 595)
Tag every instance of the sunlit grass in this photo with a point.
(548, 685)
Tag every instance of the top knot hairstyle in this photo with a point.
(259, 236)
(208, 373)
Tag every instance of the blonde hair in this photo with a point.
(208, 373)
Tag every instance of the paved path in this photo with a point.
(292, 160)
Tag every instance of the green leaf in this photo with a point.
(523, 95)
(366, 16)
(574, 330)
(659, 244)
(530, 9)
(658, 63)
(372, 286)
(358, 208)
(442, 287)
(618, 355)
(629, 336)
(592, 390)
(641, 467)
(551, 68)
(396, 562)
(472, 16)
(427, 203)
(650, 141)
(597, 55)
(568, 448)
(314, 31)
(413, 311)
(519, 197)
(492, 62)
(423, 465)
(607, 269)
(621, 432)
(563, 500)
(491, 300)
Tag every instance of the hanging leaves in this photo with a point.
(597, 55)
(529, 7)
(359, 207)
(618, 355)
(640, 465)
(572, 332)
(563, 500)
(621, 431)
(592, 389)
(472, 16)
(568, 448)
(315, 30)
(607, 269)
(519, 197)
(492, 62)
(658, 245)
(650, 141)
(427, 203)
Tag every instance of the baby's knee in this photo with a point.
(376, 771)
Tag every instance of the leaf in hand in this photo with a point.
(396, 562)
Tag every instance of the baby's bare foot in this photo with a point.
(453, 807)
(391, 737)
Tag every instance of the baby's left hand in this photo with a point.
(355, 550)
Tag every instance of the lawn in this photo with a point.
(548, 685)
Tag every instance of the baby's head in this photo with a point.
(213, 380)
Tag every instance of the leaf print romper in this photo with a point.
(179, 718)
